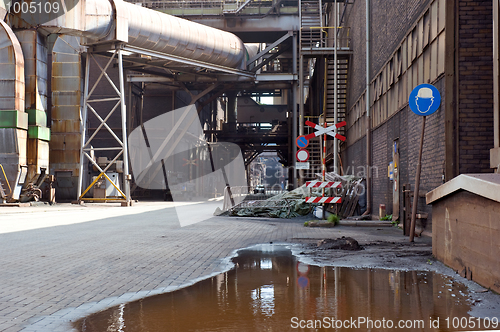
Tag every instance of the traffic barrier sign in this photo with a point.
(302, 142)
(328, 130)
(302, 155)
(323, 200)
(320, 184)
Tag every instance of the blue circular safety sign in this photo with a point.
(424, 100)
(302, 142)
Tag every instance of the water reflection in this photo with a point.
(268, 289)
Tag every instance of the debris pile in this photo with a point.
(286, 205)
(292, 204)
(352, 193)
(344, 243)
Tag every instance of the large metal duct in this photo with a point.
(34, 46)
(164, 33)
(100, 20)
(13, 119)
(67, 87)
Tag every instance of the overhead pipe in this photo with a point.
(116, 20)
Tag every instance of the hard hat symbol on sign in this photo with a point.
(424, 100)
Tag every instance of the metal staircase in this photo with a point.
(310, 23)
(342, 72)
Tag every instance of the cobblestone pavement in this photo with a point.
(62, 263)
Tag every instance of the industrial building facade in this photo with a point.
(311, 58)
(448, 44)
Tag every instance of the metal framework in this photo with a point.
(121, 148)
(115, 53)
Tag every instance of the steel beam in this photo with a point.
(269, 47)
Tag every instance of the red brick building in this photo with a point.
(447, 43)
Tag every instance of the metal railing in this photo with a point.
(317, 38)
(209, 7)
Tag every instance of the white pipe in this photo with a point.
(335, 91)
(496, 74)
(164, 33)
(368, 116)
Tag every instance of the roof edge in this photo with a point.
(485, 185)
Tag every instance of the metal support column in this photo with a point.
(495, 152)
(301, 94)
(83, 124)
(368, 116)
(335, 92)
(126, 174)
(294, 108)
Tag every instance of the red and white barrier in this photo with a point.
(323, 200)
(319, 184)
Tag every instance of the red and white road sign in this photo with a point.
(302, 155)
(320, 184)
(328, 130)
(323, 200)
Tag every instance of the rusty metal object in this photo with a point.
(65, 114)
(12, 69)
(32, 193)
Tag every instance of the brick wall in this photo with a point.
(357, 65)
(475, 88)
(405, 128)
(390, 22)
(354, 157)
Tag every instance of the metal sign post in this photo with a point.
(424, 100)
(303, 140)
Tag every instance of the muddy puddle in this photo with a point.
(269, 290)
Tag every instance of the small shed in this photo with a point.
(466, 227)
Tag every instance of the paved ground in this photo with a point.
(63, 262)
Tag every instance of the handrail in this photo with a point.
(317, 37)
(6, 180)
